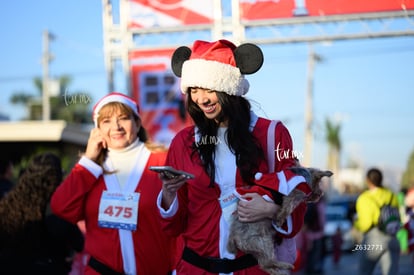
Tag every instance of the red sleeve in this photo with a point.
(175, 225)
(284, 153)
(284, 179)
(285, 158)
(298, 216)
(67, 201)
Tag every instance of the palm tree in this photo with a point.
(334, 145)
(59, 109)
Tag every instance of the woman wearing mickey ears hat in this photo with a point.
(224, 150)
(112, 189)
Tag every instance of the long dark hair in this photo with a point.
(236, 111)
(27, 202)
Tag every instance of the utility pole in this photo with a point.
(46, 58)
(313, 58)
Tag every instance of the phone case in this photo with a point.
(170, 172)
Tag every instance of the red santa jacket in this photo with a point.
(78, 197)
(199, 211)
(409, 226)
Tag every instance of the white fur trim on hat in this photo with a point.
(114, 97)
(213, 75)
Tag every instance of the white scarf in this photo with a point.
(112, 184)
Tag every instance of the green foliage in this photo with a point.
(24, 161)
(333, 134)
(20, 97)
(407, 180)
(73, 107)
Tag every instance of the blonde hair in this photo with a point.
(112, 107)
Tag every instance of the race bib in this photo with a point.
(119, 210)
(228, 205)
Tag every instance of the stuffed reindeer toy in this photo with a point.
(259, 238)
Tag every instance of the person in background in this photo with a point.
(402, 234)
(114, 192)
(409, 199)
(409, 224)
(337, 246)
(225, 149)
(386, 248)
(301, 251)
(409, 227)
(314, 225)
(80, 258)
(6, 175)
(32, 239)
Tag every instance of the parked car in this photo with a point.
(346, 201)
(336, 216)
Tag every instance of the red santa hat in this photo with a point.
(114, 97)
(218, 66)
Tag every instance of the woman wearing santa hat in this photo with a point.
(225, 150)
(112, 189)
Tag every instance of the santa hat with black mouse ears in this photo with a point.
(218, 66)
(114, 97)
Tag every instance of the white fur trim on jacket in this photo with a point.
(213, 75)
(286, 186)
(289, 226)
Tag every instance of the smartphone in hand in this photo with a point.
(170, 172)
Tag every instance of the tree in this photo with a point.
(333, 139)
(407, 180)
(334, 143)
(71, 107)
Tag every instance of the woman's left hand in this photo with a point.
(253, 208)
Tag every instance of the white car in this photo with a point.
(336, 216)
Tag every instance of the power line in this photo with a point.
(30, 77)
(371, 51)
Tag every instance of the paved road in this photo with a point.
(349, 265)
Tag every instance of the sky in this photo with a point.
(365, 85)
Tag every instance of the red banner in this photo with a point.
(158, 93)
(165, 13)
(272, 9)
(331, 7)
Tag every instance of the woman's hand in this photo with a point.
(252, 207)
(96, 143)
(170, 187)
